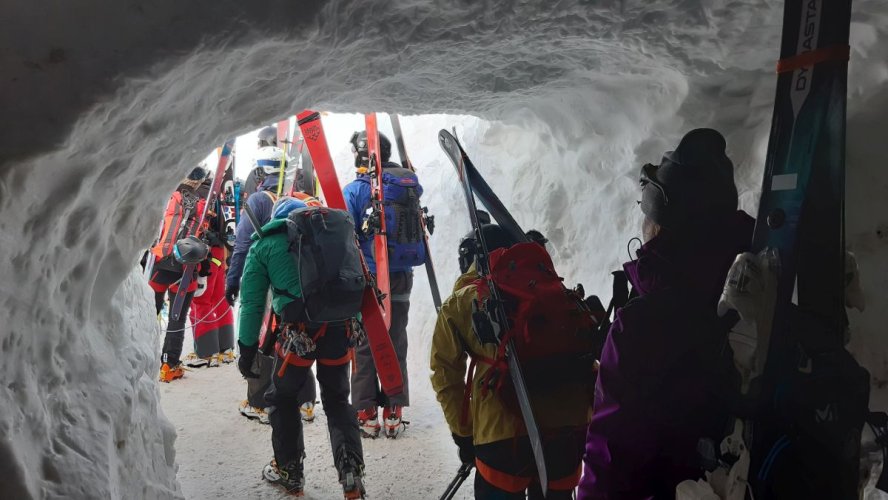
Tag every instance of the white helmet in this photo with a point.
(269, 159)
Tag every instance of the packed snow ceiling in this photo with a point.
(106, 103)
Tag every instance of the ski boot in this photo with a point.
(252, 412)
(391, 417)
(351, 474)
(168, 374)
(368, 423)
(193, 361)
(290, 477)
(213, 361)
(228, 356)
(308, 411)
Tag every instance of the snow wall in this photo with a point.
(106, 104)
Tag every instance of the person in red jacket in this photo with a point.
(211, 316)
(179, 220)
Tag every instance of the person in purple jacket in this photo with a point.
(666, 379)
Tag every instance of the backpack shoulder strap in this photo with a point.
(271, 195)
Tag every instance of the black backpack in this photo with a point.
(323, 244)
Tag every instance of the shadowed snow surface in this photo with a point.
(107, 104)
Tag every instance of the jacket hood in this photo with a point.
(697, 267)
(271, 226)
(270, 181)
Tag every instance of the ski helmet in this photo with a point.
(360, 148)
(190, 250)
(494, 236)
(268, 136)
(198, 173)
(537, 237)
(284, 206)
(269, 159)
(692, 186)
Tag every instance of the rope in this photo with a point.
(199, 321)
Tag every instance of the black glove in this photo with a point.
(466, 448)
(245, 361)
(231, 294)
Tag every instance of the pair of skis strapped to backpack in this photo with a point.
(373, 310)
(176, 310)
(495, 314)
(424, 219)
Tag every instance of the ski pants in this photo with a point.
(165, 281)
(366, 392)
(283, 396)
(263, 365)
(506, 469)
(210, 314)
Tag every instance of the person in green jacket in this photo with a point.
(269, 265)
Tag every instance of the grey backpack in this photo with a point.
(323, 243)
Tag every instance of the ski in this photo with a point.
(384, 355)
(494, 308)
(188, 273)
(423, 215)
(380, 239)
(799, 227)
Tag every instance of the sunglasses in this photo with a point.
(649, 176)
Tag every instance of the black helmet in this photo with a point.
(197, 174)
(190, 250)
(693, 186)
(495, 237)
(359, 148)
(268, 137)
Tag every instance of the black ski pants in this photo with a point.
(175, 332)
(366, 392)
(507, 470)
(283, 397)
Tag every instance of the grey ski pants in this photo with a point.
(366, 393)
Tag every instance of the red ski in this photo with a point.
(372, 312)
(380, 241)
(215, 187)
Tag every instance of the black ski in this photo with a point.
(492, 311)
(423, 215)
(800, 224)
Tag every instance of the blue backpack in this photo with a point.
(406, 241)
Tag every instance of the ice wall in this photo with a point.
(107, 103)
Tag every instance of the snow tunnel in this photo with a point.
(106, 105)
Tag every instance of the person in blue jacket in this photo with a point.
(405, 251)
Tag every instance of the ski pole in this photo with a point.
(461, 475)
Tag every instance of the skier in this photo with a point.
(180, 219)
(666, 380)
(211, 317)
(269, 265)
(485, 428)
(406, 251)
(266, 171)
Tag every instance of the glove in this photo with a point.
(246, 358)
(466, 448)
(231, 294)
(201, 285)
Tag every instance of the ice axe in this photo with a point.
(461, 475)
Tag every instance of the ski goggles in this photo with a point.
(649, 177)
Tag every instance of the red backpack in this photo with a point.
(551, 326)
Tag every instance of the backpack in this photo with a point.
(181, 223)
(406, 241)
(322, 242)
(552, 328)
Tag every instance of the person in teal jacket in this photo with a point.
(270, 266)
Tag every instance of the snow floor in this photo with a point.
(220, 454)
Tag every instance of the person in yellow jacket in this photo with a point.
(487, 431)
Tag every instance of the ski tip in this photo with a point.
(307, 116)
